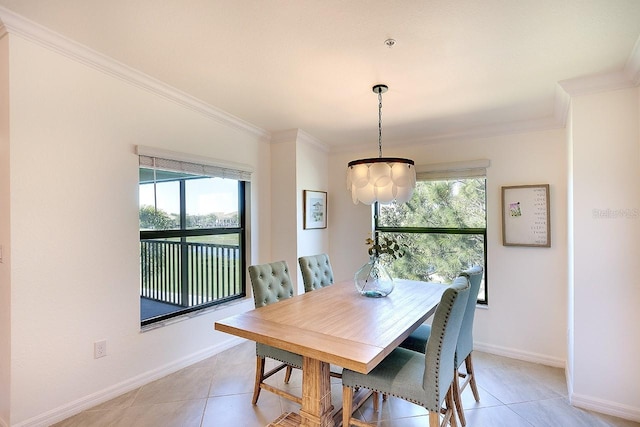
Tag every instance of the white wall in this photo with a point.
(606, 215)
(74, 232)
(349, 224)
(284, 201)
(5, 248)
(312, 174)
(570, 257)
(298, 162)
(526, 316)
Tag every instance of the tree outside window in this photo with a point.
(443, 228)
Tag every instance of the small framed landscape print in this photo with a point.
(315, 209)
(525, 216)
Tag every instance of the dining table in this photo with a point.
(335, 325)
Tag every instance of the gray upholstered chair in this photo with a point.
(271, 283)
(417, 341)
(316, 271)
(422, 378)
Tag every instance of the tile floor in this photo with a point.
(217, 392)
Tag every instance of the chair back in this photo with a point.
(441, 346)
(316, 271)
(465, 339)
(270, 282)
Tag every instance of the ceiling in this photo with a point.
(458, 66)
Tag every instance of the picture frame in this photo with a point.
(315, 209)
(525, 216)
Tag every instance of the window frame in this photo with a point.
(195, 167)
(443, 230)
(184, 233)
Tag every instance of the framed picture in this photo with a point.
(525, 216)
(315, 209)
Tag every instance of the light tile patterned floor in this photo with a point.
(217, 392)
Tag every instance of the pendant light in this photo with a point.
(381, 179)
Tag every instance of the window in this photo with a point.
(443, 227)
(192, 237)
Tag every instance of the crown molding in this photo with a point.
(596, 83)
(479, 132)
(308, 139)
(14, 24)
(281, 136)
(632, 67)
(3, 28)
(628, 77)
(298, 135)
(561, 106)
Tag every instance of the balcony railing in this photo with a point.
(189, 274)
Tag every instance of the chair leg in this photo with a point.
(376, 401)
(259, 378)
(287, 374)
(451, 407)
(434, 419)
(472, 376)
(347, 405)
(457, 398)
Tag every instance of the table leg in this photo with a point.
(316, 410)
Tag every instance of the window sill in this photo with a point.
(187, 316)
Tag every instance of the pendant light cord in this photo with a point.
(379, 122)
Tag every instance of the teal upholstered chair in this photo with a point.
(422, 378)
(271, 283)
(417, 341)
(316, 271)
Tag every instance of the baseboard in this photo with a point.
(72, 408)
(605, 407)
(520, 355)
(585, 402)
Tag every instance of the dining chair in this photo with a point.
(422, 378)
(316, 271)
(271, 283)
(418, 339)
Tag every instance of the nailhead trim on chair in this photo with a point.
(397, 373)
(440, 339)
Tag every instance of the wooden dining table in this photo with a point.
(335, 325)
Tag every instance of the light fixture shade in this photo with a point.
(381, 179)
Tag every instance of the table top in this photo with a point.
(337, 325)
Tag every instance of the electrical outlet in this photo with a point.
(99, 349)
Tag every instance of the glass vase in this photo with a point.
(373, 280)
